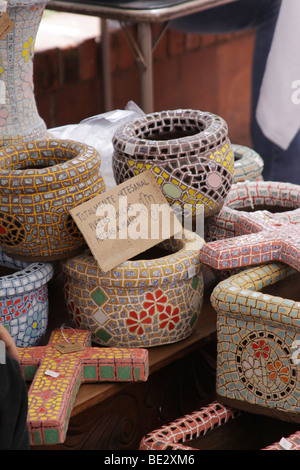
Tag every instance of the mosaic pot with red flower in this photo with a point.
(144, 302)
(40, 182)
(187, 151)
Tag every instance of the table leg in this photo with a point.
(146, 74)
(106, 75)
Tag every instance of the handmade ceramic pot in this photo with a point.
(258, 341)
(248, 164)
(40, 182)
(144, 302)
(188, 153)
(24, 299)
(19, 117)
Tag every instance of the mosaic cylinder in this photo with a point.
(24, 299)
(40, 182)
(187, 151)
(19, 117)
(143, 302)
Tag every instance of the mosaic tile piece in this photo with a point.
(40, 182)
(177, 434)
(141, 303)
(243, 238)
(248, 164)
(24, 299)
(257, 336)
(56, 378)
(187, 151)
(19, 117)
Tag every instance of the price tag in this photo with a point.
(67, 348)
(52, 373)
(129, 148)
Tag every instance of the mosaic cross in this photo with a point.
(57, 373)
(260, 237)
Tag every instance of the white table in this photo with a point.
(144, 14)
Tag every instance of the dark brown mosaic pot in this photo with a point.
(40, 182)
(187, 151)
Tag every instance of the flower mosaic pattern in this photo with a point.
(128, 306)
(28, 49)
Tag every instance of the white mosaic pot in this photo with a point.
(19, 117)
(24, 299)
(187, 151)
(142, 302)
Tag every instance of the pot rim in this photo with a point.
(85, 160)
(29, 277)
(215, 129)
(188, 256)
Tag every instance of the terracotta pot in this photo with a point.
(24, 299)
(143, 302)
(19, 117)
(40, 182)
(248, 164)
(187, 151)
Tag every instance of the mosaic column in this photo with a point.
(19, 118)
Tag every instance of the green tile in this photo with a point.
(103, 335)
(90, 372)
(106, 372)
(124, 372)
(195, 282)
(51, 436)
(99, 297)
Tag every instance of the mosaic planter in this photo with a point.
(187, 151)
(19, 118)
(24, 299)
(248, 164)
(258, 341)
(40, 182)
(143, 302)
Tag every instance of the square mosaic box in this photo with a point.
(258, 342)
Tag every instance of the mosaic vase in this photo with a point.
(40, 182)
(258, 341)
(144, 302)
(248, 164)
(24, 299)
(19, 118)
(187, 151)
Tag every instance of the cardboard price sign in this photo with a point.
(126, 220)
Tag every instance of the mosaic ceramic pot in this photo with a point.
(187, 151)
(24, 299)
(248, 164)
(258, 341)
(40, 182)
(143, 302)
(19, 118)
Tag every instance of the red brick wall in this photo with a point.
(210, 73)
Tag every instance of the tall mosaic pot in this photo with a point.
(144, 302)
(40, 182)
(188, 153)
(19, 117)
(24, 299)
